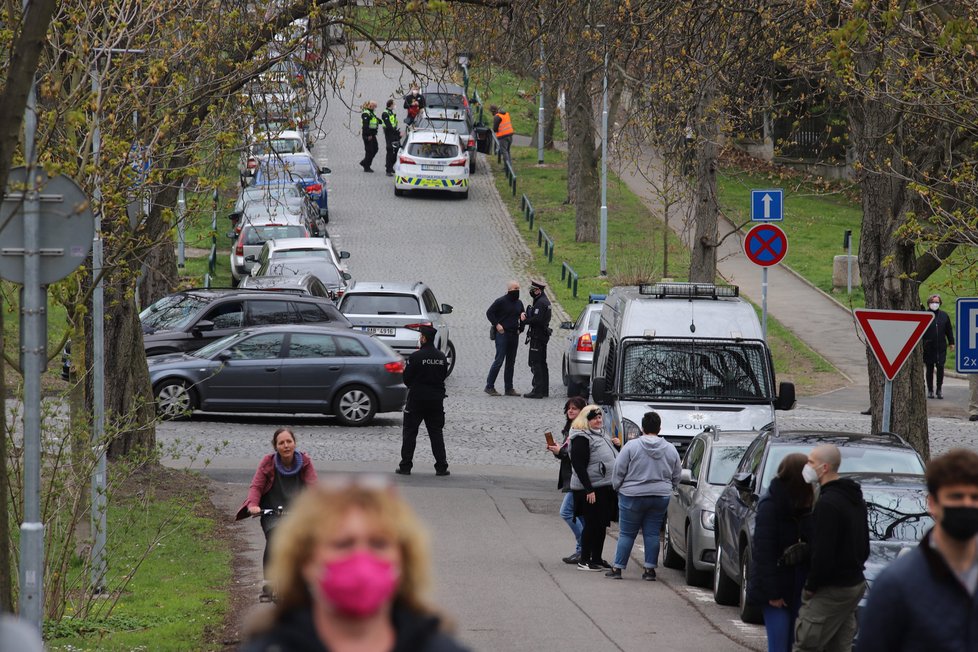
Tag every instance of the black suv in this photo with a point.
(736, 508)
(188, 320)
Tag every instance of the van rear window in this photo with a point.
(696, 370)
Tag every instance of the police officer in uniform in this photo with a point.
(392, 136)
(537, 321)
(425, 375)
(370, 125)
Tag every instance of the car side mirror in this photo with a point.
(446, 309)
(344, 255)
(347, 276)
(232, 235)
(786, 397)
(598, 390)
(567, 325)
(234, 217)
(224, 356)
(325, 170)
(251, 258)
(744, 482)
(203, 326)
(686, 477)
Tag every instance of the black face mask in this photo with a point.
(513, 294)
(960, 523)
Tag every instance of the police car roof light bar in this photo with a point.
(596, 298)
(688, 290)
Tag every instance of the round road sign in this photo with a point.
(766, 245)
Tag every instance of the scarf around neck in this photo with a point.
(296, 465)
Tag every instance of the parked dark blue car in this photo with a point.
(296, 168)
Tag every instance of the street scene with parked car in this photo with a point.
(562, 293)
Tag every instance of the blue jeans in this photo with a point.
(780, 625)
(634, 512)
(567, 513)
(505, 351)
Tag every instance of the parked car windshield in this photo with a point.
(300, 253)
(257, 235)
(855, 459)
(433, 150)
(324, 270)
(444, 101)
(896, 514)
(277, 146)
(696, 370)
(723, 463)
(171, 312)
(443, 124)
(380, 304)
(277, 171)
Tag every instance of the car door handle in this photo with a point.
(271, 368)
(335, 368)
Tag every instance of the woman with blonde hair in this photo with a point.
(350, 569)
(592, 457)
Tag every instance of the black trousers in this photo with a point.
(931, 367)
(432, 412)
(391, 151)
(268, 524)
(538, 367)
(369, 150)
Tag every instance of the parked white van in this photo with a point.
(692, 352)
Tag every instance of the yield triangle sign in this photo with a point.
(892, 334)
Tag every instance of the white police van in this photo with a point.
(692, 352)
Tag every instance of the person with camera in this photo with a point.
(592, 457)
(779, 551)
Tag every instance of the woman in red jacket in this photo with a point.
(280, 477)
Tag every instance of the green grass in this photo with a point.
(178, 597)
(518, 95)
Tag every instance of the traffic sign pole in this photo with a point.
(764, 303)
(887, 404)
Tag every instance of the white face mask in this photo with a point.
(809, 474)
(934, 306)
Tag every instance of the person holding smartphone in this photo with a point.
(572, 408)
(592, 462)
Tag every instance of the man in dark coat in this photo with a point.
(537, 320)
(840, 547)
(505, 315)
(938, 336)
(425, 374)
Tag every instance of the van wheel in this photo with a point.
(670, 558)
(355, 406)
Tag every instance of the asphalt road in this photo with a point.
(496, 536)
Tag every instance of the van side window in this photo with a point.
(609, 365)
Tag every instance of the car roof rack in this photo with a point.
(688, 290)
(714, 431)
(891, 435)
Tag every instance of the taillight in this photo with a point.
(471, 142)
(405, 159)
(415, 327)
(395, 367)
(314, 187)
(239, 249)
(584, 343)
(457, 163)
(252, 164)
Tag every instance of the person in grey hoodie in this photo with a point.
(646, 472)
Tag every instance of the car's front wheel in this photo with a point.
(749, 613)
(451, 357)
(670, 558)
(694, 577)
(355, 406)
(174, 399)
(724, 588)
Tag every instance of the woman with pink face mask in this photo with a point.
(350, 569)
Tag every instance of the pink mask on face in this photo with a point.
(358, 585)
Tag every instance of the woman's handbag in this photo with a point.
(796, 553)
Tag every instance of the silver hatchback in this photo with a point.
(708, 465)
(579, 352)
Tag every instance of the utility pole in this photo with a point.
(541, 125)
(604, 171)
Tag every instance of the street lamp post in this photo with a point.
(604, 171)
(541, 125)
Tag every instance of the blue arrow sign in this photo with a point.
(767, 205)
(966, 351)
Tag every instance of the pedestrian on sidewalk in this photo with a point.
(350, 569)
(937, 338)
(646, 472)
(413, 102)
(424, 375)
(502, 126)
(928, 599)
(505, 315)
(592, 463)
(572, 408)
(840, 547)
(392, 137)
(280, 477)
(370, 123)
(779, 551)
(537, 321)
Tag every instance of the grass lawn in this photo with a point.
(634, 253)
(178, 598)
(518, 95)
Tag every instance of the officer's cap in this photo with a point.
(429, 332)
(539, 285)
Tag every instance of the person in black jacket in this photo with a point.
(937, 338)
(840, 547)
(927, 599)
(370, 123)
(505, 315)
(572, 408)
(537, 321)
(392, 137)
(425, 374)
(783, 519)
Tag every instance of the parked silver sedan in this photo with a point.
(576, 365)
(708, 465)
(290, 368)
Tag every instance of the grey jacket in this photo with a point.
(600, 462)
(647, 466)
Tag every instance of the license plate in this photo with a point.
(375, 330)
(433, 168)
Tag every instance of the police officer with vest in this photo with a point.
(537, 321)
(392, 136)
(424, 376)
(371, 123)
(502, 126)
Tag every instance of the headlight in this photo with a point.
(707, 519)
(629, 430)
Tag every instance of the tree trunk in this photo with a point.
(550, 94)
(582, 171)
(159, 273)
(703, 257)
(6, 578)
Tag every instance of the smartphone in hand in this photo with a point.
(550, 438)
